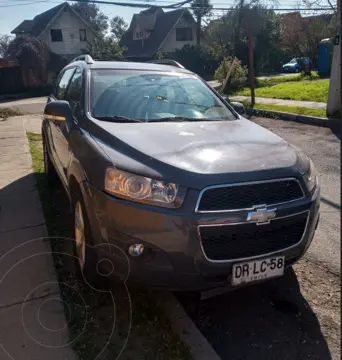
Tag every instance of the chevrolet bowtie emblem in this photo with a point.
(261, 215)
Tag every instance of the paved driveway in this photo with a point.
(26, 106)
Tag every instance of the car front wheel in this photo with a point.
(85, 257)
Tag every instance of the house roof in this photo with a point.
(165, 21)
(36, 26)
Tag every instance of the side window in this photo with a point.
(63, 84)
(74, 93)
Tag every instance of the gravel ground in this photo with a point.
(323, 146)
(297, 316)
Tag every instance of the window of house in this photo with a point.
(138, 35)
(184, 34)
(63, 84)
(56, 35)
(83, 35)
(74, 93)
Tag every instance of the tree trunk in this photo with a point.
(198, 29)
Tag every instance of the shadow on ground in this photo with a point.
(336, 130)
(105, 320)
(269, 321)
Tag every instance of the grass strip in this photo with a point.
(289, 109)
(316, 91)
(92, 314)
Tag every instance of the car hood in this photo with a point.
(212, 147)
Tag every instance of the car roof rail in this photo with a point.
(167, 62)
(87, 58)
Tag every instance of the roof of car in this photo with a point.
(130, 65)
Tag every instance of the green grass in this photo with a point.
(8, 112)
(299, 90)
(281, 79)
(289, 109)
(91, 312)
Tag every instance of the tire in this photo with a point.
(85, 257)
(49, 168)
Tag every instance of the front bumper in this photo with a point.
(173, 256)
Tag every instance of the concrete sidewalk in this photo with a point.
(33, 324)
(260, 100)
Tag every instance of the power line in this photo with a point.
(171, 5)
(144, 5)
(23, 4)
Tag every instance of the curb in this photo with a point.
(303, 119)
(182, 325)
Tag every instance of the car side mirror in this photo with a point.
(238, 107)
(58, 110)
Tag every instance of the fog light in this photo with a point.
(136, 249)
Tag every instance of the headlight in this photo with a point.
(310, 177)
(142, 189)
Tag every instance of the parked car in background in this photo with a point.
(161, 167)
(294, 66)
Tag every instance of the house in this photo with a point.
(295, 19)
(154, 30)
(62, 28)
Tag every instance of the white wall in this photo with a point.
(171, 44)
(70, 25)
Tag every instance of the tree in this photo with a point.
(91, 12)
(4, 43)
(301, 35)
(35, 58)
(228, 35)
(118, 27)
(106, 49)
(200, 9)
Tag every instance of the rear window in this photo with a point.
(152, 95)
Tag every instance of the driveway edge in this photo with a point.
(303, 119)
(182, 325)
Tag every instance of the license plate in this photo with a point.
(258, 270)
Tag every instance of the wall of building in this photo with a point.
(70, 25)
(170, 43)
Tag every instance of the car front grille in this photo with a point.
(231, 242)
(248, 195)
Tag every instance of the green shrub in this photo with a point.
(238, 77)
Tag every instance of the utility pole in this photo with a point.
(334, 97)
(251, 65)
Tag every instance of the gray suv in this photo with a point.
(171, 187)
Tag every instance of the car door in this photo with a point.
(73, 95)
(54, 125)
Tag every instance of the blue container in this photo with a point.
(324, 59)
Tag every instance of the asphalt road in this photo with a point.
(26, 106)
(298, 315)
(323, 146)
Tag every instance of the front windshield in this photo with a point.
(293, 61)
(151, 95)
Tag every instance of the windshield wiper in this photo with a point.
(176, 119)
(117, 118)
